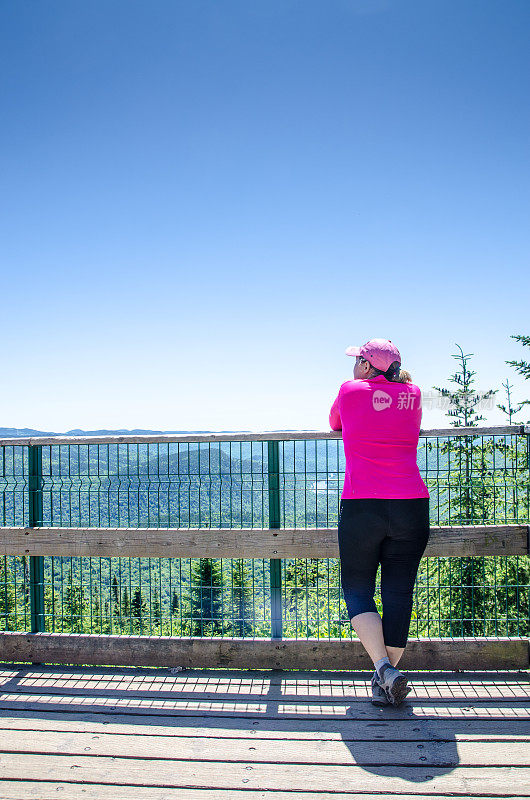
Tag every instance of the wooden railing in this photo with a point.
(444, 540)
(248, 436)
(274, 543)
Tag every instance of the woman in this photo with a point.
(384, 507)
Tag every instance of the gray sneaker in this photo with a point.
(379, 697)
(394, 684)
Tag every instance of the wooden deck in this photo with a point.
(116, 733)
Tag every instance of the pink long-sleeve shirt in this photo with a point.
(380, 423)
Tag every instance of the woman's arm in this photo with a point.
(334, 415)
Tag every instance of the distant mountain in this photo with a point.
(25, 432)
(8, 432)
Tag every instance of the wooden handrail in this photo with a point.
(246, 436)
(444, 540)
(470, 653)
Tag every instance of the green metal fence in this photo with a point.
(252, 481)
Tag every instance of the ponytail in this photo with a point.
(394, 373)
(404, 376)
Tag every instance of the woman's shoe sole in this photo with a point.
(398, 691)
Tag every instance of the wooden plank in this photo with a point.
(246, 542)
(260, 709)
(12, 669)
(469, 430)
(282, 690)
(167, 438)
(248, 775)
(167, 651)
(412, 729)
(292, 751)
(46, 790)
(241, 436)
(444, 540)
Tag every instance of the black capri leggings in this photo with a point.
(395, 534)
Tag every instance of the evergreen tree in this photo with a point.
(125, 606)
(52, 599)
(156, 616)
(27, 581)
(295, 590)
(464, 400)
(517, 460)
(469, 466)
(522, 367)
(508, 409)
(138, 609)
(97, 614)
(175, 603)
(115, 594)
(241, 599)
(7, 595)
(75, 604)
(206, 597)
(106, 624)
(470, 492)
(516, 569)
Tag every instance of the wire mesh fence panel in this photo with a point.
(297, 483)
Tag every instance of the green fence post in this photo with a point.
(36, 563)
(275, 564)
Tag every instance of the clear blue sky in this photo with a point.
(204, 203)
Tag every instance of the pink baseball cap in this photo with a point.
(381, 353)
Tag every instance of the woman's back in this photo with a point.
(380, 423)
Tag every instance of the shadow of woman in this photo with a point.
(438, 735)
(401, 746)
